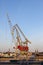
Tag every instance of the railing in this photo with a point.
(16, 62)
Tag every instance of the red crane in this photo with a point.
(20, 44)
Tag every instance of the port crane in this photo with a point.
(20, 44)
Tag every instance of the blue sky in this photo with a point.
(28, 14)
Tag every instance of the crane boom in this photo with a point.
(18, 37)
(9, 22)
(11, 27)
(23, 34)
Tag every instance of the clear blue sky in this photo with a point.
(28, 14)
